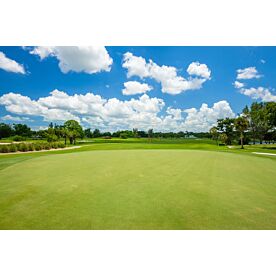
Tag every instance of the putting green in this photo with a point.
(139, 189)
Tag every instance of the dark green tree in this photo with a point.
(73, 130)
(22, 130)
(5, 130)
(241, 125)
(88, 133)
(96, 133)
(227, 126)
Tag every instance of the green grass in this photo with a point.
(190, 184)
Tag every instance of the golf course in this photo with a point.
(137, 184)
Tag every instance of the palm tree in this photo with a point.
(241, 125)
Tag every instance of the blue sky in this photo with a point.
(168, 103)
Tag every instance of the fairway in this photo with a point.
(139, 189)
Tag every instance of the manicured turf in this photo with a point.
(138, 189)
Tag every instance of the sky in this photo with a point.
(116, 88)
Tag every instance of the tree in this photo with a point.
(73, 130)
(135, 132)
(96, 133)
(227, 126)
(88, 133)
(271, 114)
(150, 134)
(223, 138)
(5, 130)
(259, 115)
(241, 125)
(22, 130)
(214, 133)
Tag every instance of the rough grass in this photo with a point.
(138, 189)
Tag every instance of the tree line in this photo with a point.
(71, 130)
(256, 124)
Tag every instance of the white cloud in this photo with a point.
(15, 118)
(261, 93)
(113, 114)
(88, 59)
(205, 117)
(10, 65)
(200, 70)
(248, 73)
(136, 66)
(23, 105)
(238, 84)
(135, 87)
(167, 76)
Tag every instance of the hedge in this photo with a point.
(24, 147)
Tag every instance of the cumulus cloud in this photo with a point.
(238, 84)
(205, 117)
(88, 59)
(23, 105)
(10, 65)
(261, 93)
(113, 114)
(248, 73)
(197, 69)
(135, 87)
(167, 76)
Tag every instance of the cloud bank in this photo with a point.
(113, 114)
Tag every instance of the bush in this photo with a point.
(30, 147)
(61, 145)
(23, 147)
(4, 149)
(13, 148)
(42, 145)
(47, 146)
(54, 145)
(37, 147)
(18, 138)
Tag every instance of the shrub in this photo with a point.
(23, 147)
(31, 147)
(13, 148)
(61, 145)
(54, 145)
(4, 149)
(18, 138)
(42, 145)
(37, 146)
(47, 146)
